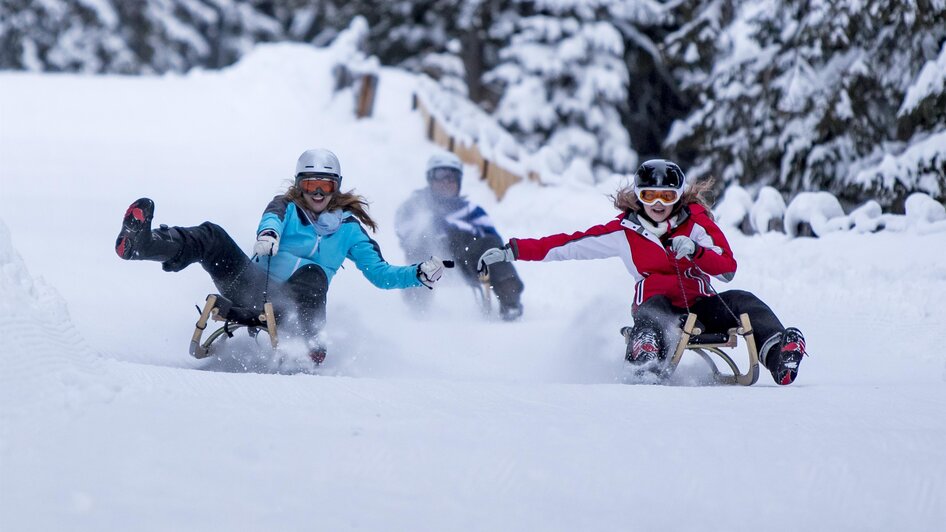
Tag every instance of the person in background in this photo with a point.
(303, 237)
(666, 236)
(437, 220)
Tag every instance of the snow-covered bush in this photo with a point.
(820, 211)
(867, 218)
(350, 59)
(447, 68)
(733, 208)
(925, 214)
(768, 211)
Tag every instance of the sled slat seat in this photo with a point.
(713, 339)
(704, 344)
(224, 310)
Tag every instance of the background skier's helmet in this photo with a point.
(444, 165)
(319, 161)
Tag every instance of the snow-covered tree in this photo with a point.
(564, 84)
(130, 36)
(63, 35)
(804, 95)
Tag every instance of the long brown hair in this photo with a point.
(348, 201)
(700, 193)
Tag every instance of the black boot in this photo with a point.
(136, 229)
(644, 346)
(509, 293)
(785, 357)
(136, 240)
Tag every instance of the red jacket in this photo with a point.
(648, 258)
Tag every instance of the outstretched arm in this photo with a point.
(366, 254)
(598, 242)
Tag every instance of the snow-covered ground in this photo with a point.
(448, 422)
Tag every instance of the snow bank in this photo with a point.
(43, 359)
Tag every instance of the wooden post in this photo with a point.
(367, 88)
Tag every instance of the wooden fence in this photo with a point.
(498, 178)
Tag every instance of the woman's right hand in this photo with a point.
(430, 271)
(267, 243)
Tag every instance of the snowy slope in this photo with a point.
(447, 422)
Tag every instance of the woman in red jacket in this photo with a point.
(668, 241)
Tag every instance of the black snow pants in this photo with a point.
(298, 302)
(658, 315)
(465, 249)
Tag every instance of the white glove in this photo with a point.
(267, 243)
(683, 247)
(494, 255)
(430, 271)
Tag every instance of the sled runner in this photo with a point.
(693, 339)
(219, 308)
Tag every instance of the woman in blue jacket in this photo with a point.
(302, 240)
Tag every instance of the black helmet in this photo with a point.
(659, 173)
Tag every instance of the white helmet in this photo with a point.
(444, 160)
(319, 161)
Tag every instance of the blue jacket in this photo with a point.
(300, 244)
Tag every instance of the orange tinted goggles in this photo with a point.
(315, 186)
(650, 196)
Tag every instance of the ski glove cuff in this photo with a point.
(430, 271)
(683, 246)
(494, 255)
(267, 243)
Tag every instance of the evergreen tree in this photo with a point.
(564, 84)
(806, 97)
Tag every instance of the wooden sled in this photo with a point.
(219, 308)
(704, 344)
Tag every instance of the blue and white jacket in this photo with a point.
(327, 241)
(424, 218)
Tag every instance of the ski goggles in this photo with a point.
(318, 185)
(441, 174)
(650, 196)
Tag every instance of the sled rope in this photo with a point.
(723, 301)
(236, 277)
(676, 266)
